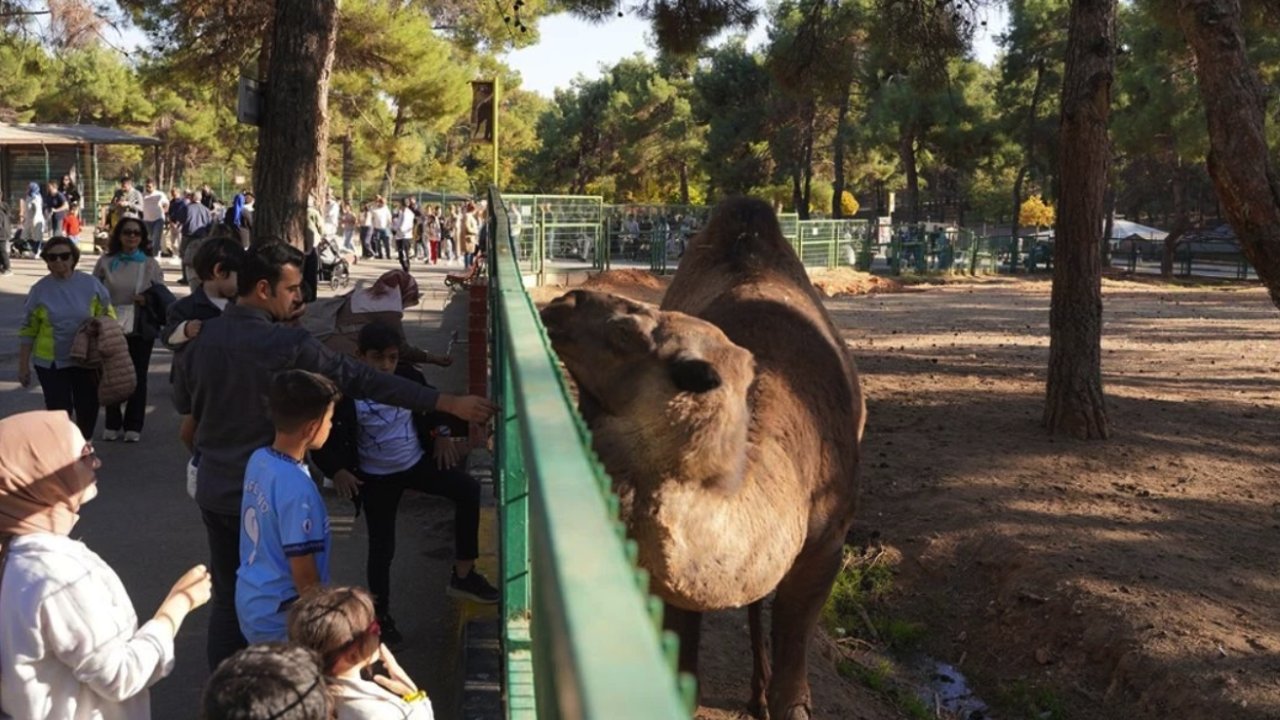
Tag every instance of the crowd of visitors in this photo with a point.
(346, 401)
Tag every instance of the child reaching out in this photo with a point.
(340, 625)
(284, 526)
(377, 451)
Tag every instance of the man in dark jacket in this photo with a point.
(194, 223)
(6, 234)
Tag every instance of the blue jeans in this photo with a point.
(381, 243)
(155, 233)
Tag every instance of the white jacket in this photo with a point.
(70, 645)
(365, 700)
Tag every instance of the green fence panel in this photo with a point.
(580, 637)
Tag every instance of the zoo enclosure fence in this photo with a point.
(581, 636)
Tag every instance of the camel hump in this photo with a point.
(744, 233)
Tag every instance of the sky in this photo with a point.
(569, 47)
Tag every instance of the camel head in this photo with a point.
(662, 391)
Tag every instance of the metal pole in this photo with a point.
(497, 98)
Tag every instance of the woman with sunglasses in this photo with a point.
(56, 306)
(70, 643)
(128, 271)
(339, 624)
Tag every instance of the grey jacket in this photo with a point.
(222, 379)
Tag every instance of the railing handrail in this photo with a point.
(593, 632)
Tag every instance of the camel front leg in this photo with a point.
(760, 670)
(796, 608)
(687, 625)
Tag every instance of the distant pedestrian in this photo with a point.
(155, 206)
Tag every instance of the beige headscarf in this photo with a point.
(40, 484)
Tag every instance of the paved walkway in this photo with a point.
(146, 527)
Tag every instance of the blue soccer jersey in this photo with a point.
(281, 516)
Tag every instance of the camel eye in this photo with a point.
(696, 376)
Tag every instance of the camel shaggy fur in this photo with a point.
(730, 421)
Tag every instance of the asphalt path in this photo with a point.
(147, 528)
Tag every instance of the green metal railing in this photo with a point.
(582, 638)
(565, 228)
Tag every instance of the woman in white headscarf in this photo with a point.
(70, 644)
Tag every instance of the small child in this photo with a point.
(340, 625)
(217, 263)
(376, 452)
(267, 682)
(284, 526)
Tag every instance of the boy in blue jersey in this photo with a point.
(284, 526)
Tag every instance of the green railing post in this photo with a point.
(591, 650)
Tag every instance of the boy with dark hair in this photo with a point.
(268, 682)
(284, 526)
(217, 264)
(377, 451)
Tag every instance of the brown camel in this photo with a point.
(730, 421)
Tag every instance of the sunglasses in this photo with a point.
(55, 257)
(130, 231)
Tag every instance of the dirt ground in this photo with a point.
(1127, 578)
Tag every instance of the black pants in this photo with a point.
(75, 390)
(135, 408)
(402, 252)
(310, 275)
(381, 496)
(224, 637)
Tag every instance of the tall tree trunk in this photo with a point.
(842, 116)
(348, 165)
(797, 196)
(907, 154)
(295, 128)
(389, 172)
(1029, 160)
(1181, 220)
(1074, 403)
(1109, 216)
(810, 131)
(684, 183)
(1240, 163)
(1016, 226)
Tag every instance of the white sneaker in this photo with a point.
(110, 434)
(132, 436)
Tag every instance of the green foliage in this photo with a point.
(881, 678)
(856, 586)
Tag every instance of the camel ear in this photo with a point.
(697, 376)
(631, 334)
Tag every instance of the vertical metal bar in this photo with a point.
(497, 104)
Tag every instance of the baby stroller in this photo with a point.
(464, 279)
(333, 268)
